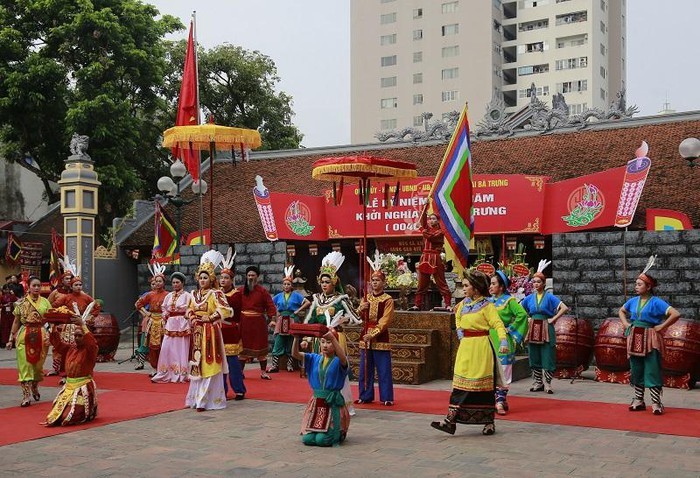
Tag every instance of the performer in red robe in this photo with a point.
(63, 288)
(152, 324)
(254, 303)
(431, 263)
(77, 401)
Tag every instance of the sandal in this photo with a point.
(388, 403)
(637, 406)
(36, 396)
(538, 388)
(239, 396)
(489, 429)
(265, 376)
(657, 408)
(444, 426)
(362, 402)
(25, 403)
(500, 409)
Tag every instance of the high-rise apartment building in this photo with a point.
(414, 56)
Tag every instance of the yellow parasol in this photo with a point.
(212, 137)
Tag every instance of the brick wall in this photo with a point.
(589, 269)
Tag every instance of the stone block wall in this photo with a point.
(590, 268)
(269, 257)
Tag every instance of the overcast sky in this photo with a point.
(309, 41)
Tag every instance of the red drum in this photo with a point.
(610, 348)
(682, 348)
(106, 332)
(574, 342)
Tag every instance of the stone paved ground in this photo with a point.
(255, 438)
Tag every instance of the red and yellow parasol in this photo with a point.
(364, 169)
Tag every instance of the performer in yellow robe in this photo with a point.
(477, 371)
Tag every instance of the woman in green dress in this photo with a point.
(31, 340)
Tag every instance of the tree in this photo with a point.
(237, 87)
(92, 67)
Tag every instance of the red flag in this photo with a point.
(56, 254)
(14, 249)
(188, 104)
(165, 236)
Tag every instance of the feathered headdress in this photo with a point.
(227, 262)
(376, 265)
(646, 278)
(68, 266)
(157, 270)
(209, 261)
(544, 263)
(330, 265)
(288, 273)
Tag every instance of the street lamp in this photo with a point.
(171, 189)
(690, 150)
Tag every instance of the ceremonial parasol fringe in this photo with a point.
(336, 171)
(202, 139)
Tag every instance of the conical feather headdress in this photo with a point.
(330, 265)
(69, 266)
(289, 273)
(157, 270)
(227, 262)
(376, 265)
(647, 279)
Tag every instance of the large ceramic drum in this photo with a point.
(682, 349)
(610, 347)
(106, 332)
(574, 342)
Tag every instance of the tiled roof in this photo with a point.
(561, 155)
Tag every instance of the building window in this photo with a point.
(387, 39)
(450, 51)
(450, 95)
(602, 49)
(533, 69)
(388, 81)
(417, 13)
(388, 103)
(540, 91)
(534, 25)
(537, 46)
(417, 78)
(417, 34)
(576, 40)
(387, 18)
(571, 63)
(602, 71)
(417, 56)
(574, 17)
(450, 7)
(387, 124)
(418, 121)
(602, 27)
(571, 86)
(418, 99)
(577, 109)
(452, 29)
(389, 60)
(602, 94)
(450, 73)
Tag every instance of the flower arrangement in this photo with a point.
(398, 275)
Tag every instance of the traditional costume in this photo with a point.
(70, 270)
(332, 311)
(255, 304)
(152, 324)
(326, 418)
(7, 305)
(431, 264)
(32, 344)
(645, 345)
(231, 332)
(375, 353)
(514, 319)
(287, 304)
(77, 401)
(477, 372)
(173, 361)
(207, 308)
(541, 337)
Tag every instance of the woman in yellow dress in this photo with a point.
(477, 371)
(207, 308)
(31, 340)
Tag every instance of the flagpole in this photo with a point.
(199, 120)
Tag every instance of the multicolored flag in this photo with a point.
(14, 249)
(451, 193)
(165, 235)
(56, 254)
(667, 220)
(188, 105)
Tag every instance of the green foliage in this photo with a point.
(92, 67)
(237, 87)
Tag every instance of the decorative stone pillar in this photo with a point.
(79, 187)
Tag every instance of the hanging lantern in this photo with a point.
(291, 250)
(358, 247)
(511, 243)
(313, 249)
(336, 246)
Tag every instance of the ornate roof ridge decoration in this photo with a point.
(536, 116)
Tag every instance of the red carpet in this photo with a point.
(128, 396)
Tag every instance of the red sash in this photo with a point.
(33, 345)
(320, 417)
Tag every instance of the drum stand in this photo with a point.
(132, 317)
(577, 376)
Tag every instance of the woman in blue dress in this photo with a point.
(645, 318)
(544, 309)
